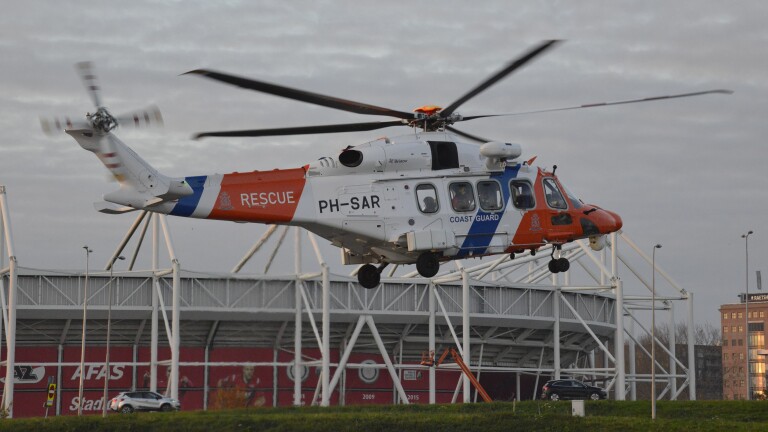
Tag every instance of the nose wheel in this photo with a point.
(369, 276)
(558, 265)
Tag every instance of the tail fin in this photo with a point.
(141, 185)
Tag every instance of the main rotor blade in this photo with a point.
(302, 130)
(468, 135)
(519, 62)
(301, 95)
(88, 76)
(602, 104)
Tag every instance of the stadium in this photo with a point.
(227, 339)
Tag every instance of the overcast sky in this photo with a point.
(689, 173)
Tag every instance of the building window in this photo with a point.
(741, 315)
(741, 328)
(762, 314)
(733, 315)
(741, 342)
(725, 329)
(733, 329)
(725, 342)
(725, 315)
(733, 342)
(741, 357)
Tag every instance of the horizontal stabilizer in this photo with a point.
(111, 208)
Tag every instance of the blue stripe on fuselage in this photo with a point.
(187, 205)
(485, 223)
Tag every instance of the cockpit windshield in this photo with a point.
(577, 203)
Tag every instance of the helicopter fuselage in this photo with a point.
(371, 200)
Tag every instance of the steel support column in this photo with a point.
(326, 351)
(431, 330)
(632, 362)
(10, 315)
(618, 342)
(691, 350)
(556, 332)
(466, 330)
(154, 325)
(672, 345)
(297, 366)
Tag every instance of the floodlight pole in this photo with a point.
(109, 333)
(653, 334)
(746, 310)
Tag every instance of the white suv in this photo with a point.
(128, 402)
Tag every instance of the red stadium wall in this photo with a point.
(255, 385)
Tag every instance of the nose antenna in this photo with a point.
(554, 168)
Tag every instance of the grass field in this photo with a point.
(719, 416)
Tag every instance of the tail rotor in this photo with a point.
(101, 120)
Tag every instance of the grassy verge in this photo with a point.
(727, 416)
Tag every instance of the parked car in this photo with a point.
(128, 402)
(571, 389)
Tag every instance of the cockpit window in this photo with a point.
(552, 193)
(575, 202)
(489, 194)
(426, 196)
(522, 194)
(462, 198)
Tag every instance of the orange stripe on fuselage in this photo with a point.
(260, 196)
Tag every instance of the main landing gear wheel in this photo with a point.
(427, 264)
(369, 276)
(558, 265)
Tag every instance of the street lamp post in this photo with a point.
(109, 332)
(653, 334)
(746, 310)
(82, 340)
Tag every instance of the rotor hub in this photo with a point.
(102, 120)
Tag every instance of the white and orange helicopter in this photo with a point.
(431, 196)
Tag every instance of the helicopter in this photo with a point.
(432, 196)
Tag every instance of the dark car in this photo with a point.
(571, 389)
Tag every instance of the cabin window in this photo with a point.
(552, 193)
(522, 194)
(426, 197)
(462, 197)
(489, 195)
(444, 155)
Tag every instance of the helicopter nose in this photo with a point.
(605, 221)
(613, 222)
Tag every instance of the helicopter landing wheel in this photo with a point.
(369, 276)
(427, 264)
(558, 265)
